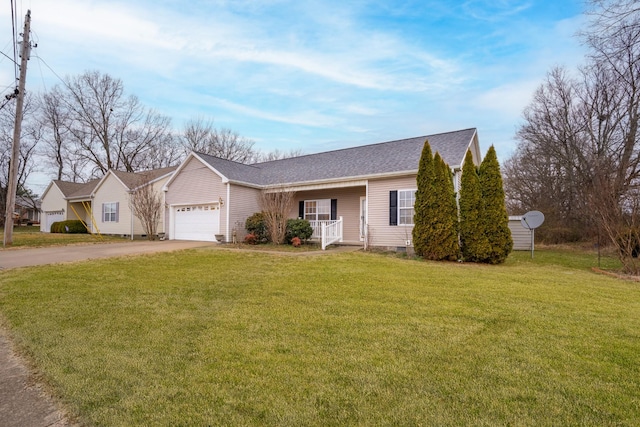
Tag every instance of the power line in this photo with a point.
(9, 58)
(15, 44)
(51, 69)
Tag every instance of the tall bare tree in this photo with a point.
(202, 136)
(55, 124)
(108, 129)
(549, 171)
(584, 130)
(30, 136)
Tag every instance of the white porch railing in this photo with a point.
(327, 232)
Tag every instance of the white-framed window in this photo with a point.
(406, 200)
(110, 212)
(317, 210)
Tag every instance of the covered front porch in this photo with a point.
(328, 232)
(82, 210)
(337, 214)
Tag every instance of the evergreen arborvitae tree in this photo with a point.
(495, 221)
(424, 202)
(474, 244)
(445, 218)
(435, 232)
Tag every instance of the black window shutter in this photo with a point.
(393, 208)
(301, 209)
(334, 209)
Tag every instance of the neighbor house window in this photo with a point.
(317, 210)
(401, 207)
(110, 212)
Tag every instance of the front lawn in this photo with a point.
(31, 237)
(204, 337)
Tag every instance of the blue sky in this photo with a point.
(312, 75)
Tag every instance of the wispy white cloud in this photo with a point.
(494, 10)
(316, 72)
(305, 118)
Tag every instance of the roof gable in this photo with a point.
(76, 190)
(130, 180)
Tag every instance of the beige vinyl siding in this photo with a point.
(243, 203)
(111, 190)
(157, 187)
(380, 232)
(196, 184)
(53, 201)
(521, 236)
(348, 200)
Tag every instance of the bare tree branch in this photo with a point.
(146, 205)
(276, 205)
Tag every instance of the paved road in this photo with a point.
(23, 403)
(14, 258)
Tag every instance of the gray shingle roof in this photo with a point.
(76, 189)
(367, 160)
(135, 179)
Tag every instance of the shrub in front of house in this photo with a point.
(70, 226)
(257, 226)
(300, 228)
(250, 239)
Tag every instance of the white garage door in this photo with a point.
(51, 218)
(197, 222)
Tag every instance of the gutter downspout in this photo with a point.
(366, 218)
(228, 210)
(131, 215)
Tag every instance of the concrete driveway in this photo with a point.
(14, 258)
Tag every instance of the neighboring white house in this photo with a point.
(102, 204)
(361, 195)
(64, 200)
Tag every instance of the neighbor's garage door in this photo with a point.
(198, 222)
(51, 218)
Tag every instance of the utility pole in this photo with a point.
(12, 187)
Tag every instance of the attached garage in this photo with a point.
(50, 218)
(196, 222)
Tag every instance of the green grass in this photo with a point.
(285, 247)
(225, 338)
(31, 237)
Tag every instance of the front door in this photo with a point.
(363, 218)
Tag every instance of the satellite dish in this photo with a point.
(532, 219)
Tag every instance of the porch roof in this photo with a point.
(76, 190)
(134, 179)
(393, 157)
